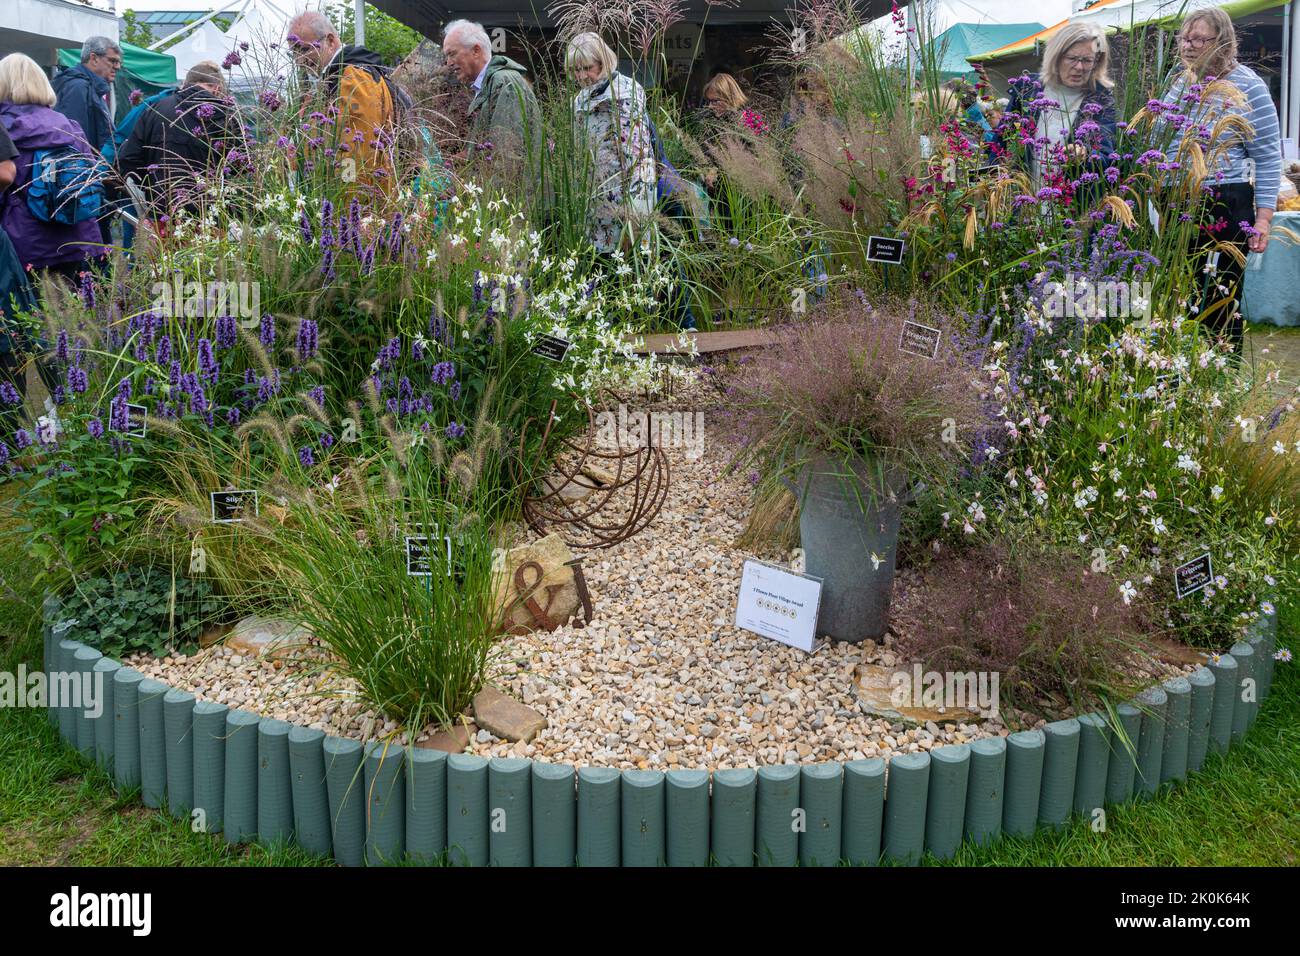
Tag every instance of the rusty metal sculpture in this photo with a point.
(621, 489)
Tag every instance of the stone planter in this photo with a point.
(846, 515)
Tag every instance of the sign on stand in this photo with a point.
(885, 249)
(779, 604)
(230, 507)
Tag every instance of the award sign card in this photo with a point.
(1193, 575)
(918, 339)
(135, 417)
(884, 249)
(551, 347)
(229, 507)
(779, 604)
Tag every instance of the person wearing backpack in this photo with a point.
(84, 94)
(357, 82)
(50, 212)
(178, 141)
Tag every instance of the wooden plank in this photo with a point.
(705, 342)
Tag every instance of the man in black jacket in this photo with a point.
(83, 91)
(177, 141)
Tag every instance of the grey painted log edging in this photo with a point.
(258, 779)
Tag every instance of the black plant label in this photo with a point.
(551, 347)
(885, 249)
(1193, 575)
(420, 555)
(229, 507)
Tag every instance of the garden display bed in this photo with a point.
(671, 736)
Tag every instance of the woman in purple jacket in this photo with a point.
(27, 114)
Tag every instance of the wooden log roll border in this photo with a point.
(257, 779)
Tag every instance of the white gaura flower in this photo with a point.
(1158, 525)
(1216, 492)
(1128, 592)
(1279, 448)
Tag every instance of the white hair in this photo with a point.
(468, 34)
(315, 21)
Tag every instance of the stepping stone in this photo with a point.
(505, 717)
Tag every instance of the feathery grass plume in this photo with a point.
(392, 483)
(258, 351)
(463, 472)
(167, 426)
(264, 423)
(294, 424)
(396, 441)
(1118, 210)
(968, 238)
(370, 392)
(314, 409)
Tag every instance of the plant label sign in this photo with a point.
(135, 417)
(229, 507)
(884, 249)
(1193, 575)
(419, 556)
(779, 604)
(551, 347)
(920, 340)
(974, 175)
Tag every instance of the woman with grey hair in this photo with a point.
(1240, 212)
(1066, 111)
(610, 112)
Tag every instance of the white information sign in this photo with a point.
(780, 604)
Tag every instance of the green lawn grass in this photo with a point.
(1242, 809)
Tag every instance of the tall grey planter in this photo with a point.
(845, 515)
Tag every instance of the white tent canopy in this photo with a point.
(259, 24)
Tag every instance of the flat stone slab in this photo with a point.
(256, 636)
(873, 686)
(505, 717)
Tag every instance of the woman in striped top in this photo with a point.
(1240, 214)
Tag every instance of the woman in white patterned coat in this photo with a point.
(610, 112)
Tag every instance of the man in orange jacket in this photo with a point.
(364, 101)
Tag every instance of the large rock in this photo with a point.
(276, 639)
(529, 599)
(505, 717)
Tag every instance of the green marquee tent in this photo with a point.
(966, 39)
(142, 70)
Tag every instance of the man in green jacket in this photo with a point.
(505, 121)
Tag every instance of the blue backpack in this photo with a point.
(66, 186)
